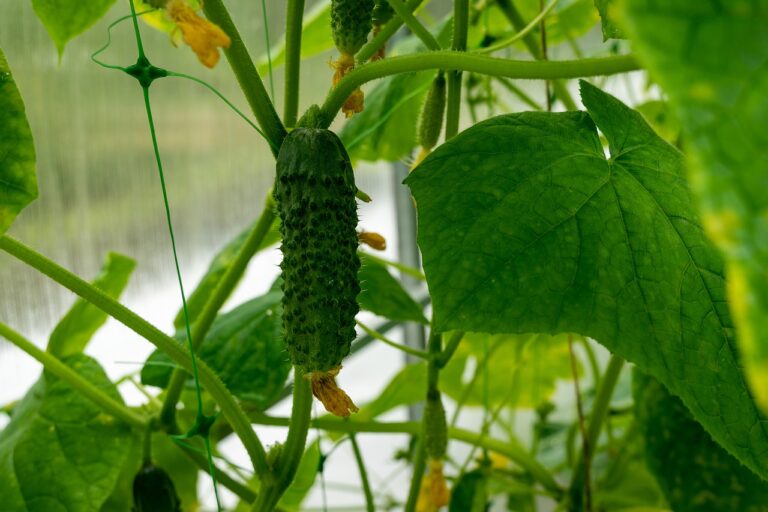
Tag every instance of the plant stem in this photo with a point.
(453, 101)
(223, 290)
(229, 406)
(447, 353)
(597, 418)
(414, 25)
(238, 488)
(450, 60)
(387, 31)
(586, 447)
(512, 448)
(369, 502)
(247, 75)
(419, 464)
(513, 15)
(278, 481)
(514, 89)
(521, 33)
(405, 348)
(293, 20)
(78, 383)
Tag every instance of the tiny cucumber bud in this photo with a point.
(435, 428)
(273, 455)
(153, 491)
(351, 23)
(431, 117)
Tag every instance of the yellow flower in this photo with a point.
(373, 240)
(201, 35)
(434, 493)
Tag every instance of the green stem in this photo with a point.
(78, 383)
(530, 41)
(419, 465)
(512, 448)
(450, 348)
(241, 490)
(408, 350)
(275, 485)
(229, 406)
(521, 33)
(514, 89)
(450, 60)
(220, 294)
(419, 30)
(453, 101)
(369, 502)
(247, 75)
(293, 20)
(387, 31)
(597, 418)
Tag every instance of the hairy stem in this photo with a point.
(450, 60)
(597, 418)
(293, 19)
(414, 25)
(453, 101)
(247, 75)
(78, 383)
(220, 294)
(293, 449)
(369, 502)
(229, 406)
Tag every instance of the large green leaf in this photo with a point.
(75, 330)
(18, 184)
(60, 452)
(710, 57)
(516, 370)
(218, 267)
(383, 295)
(692, 470)
(526, 226)
(245, 349)
(64, 19)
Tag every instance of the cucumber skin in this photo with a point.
(315, 193)
(351, 23)
(153, 491)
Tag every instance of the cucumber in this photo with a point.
(351, 21)
(153, 491)
(431, 118)
(315, 193)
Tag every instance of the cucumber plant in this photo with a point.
(595, 272)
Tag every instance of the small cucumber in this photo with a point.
(315, 193)
(153, 491)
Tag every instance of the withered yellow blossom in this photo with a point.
(434, 493)
(373, 240)
(204, 37)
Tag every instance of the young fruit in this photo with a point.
(315, 194)
(153, 491)
(434, 491)
(431, 118)
(350, 25)
(382, 13)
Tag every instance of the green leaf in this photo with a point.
(315, 38)
(526, 226)
(661, 118)
(715, 76)
(60, 452)
(64, 19)
(303, 481)
(18, 184)
(245, 349)
(217, 268)
(468, 495)
(608, 13)
(694, 472)
(73, 332)
(515, 370)
(383, 295)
